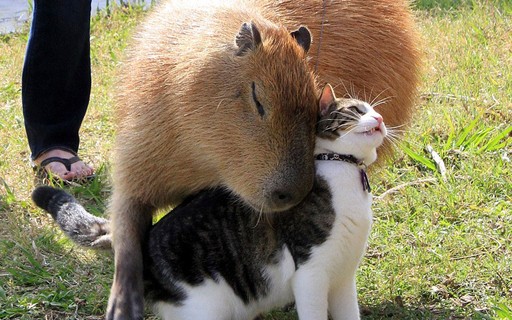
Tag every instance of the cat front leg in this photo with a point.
(310, 288)
(343, 301)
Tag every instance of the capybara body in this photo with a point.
(212, 94)
(369, 49)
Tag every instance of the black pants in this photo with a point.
(56, 80)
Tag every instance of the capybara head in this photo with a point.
(220, 103)
(268, 127)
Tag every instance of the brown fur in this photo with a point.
(369, 49)
(189, 102)
(187, 119)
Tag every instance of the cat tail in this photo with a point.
(82, 227)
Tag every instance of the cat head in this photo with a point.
(349, 127)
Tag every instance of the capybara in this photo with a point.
(212, 93)
(368, 49)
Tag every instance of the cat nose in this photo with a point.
(379, 119)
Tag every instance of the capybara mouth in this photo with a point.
(272, 207)
(282, 199)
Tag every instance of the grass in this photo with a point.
(440, 246)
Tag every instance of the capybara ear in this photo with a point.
(303, 37)
(248, 38)
(326, 99)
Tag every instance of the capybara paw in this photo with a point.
(127, 306)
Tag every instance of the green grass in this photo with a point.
(440, 246)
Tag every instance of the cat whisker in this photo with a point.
(395, 142)
(354, 94)
(371, 95)
(395, 129)
(394, 133)
(327, 120)
(344, 119)
(348, 93)
(381, 102)
(356, 116)
(348, 121)
(374, 100)
(398, 126)
(348, 113)
(347, 131)
(348, 127)
(351, 117)
(364, 94)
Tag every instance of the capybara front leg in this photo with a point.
(130, 222)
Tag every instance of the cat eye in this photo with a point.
(356, 110)
(260, 108)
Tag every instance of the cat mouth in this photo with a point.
(370, 132)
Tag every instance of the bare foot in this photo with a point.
(78, 170)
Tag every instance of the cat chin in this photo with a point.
(371, 157)
(363, 147)
(367, 141)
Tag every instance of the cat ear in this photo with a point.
(248, 38)
(303, 37)
(326, 99)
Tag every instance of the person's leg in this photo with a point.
(56, 82)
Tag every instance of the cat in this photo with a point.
(214, 257)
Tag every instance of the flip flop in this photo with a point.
(45, 175)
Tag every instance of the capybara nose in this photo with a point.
(283, 199)
(287, 187)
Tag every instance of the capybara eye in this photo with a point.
(260, 108)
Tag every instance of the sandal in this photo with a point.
(46, 175)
